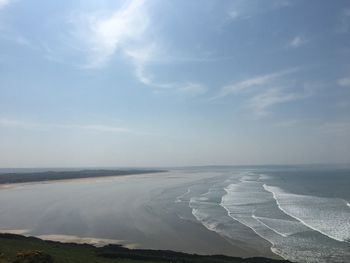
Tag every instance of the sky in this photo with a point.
(174, 83)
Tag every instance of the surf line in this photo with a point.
(272, 248)
(274, 230)
(266, 187)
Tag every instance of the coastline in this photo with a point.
(77, 179)
(48, 176)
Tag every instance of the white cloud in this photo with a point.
(247, 84)
(297, 41)
(262, 102)
(344, 82)
(101, 35)
(140, 58)
(126, 31)
(4, 3)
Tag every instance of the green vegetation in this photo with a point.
(20, 249)
(11, 178)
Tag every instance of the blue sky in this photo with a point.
(174, 83)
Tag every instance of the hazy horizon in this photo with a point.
(250, 166)
(174, 83)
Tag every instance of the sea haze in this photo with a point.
(298, 213)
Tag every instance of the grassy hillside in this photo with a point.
(19, 249)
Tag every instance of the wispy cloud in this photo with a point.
(10, 34)
(256, 81)
(344, 82)
(296, 42)
(192, 89)
(4, 3)
(12, 123)
(20, 124)
(233, 14)
(128, 32)
(16, 39)
(261, 103)
(141, 57)
(260, 93)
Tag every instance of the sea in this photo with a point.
(302, 212)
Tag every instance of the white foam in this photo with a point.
(244, 223)
(201, 217)
(281, 227)
(325, 215)
(206, 210)
(238, 203)
(274, 230)
(248, 203)
(199, 206)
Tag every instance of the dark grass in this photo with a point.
(20, 249)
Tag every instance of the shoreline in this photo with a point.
(86, 179)
(48, 176)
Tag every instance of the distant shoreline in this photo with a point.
(32, 177)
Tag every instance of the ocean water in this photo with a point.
(298, 213)
(303, 212)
